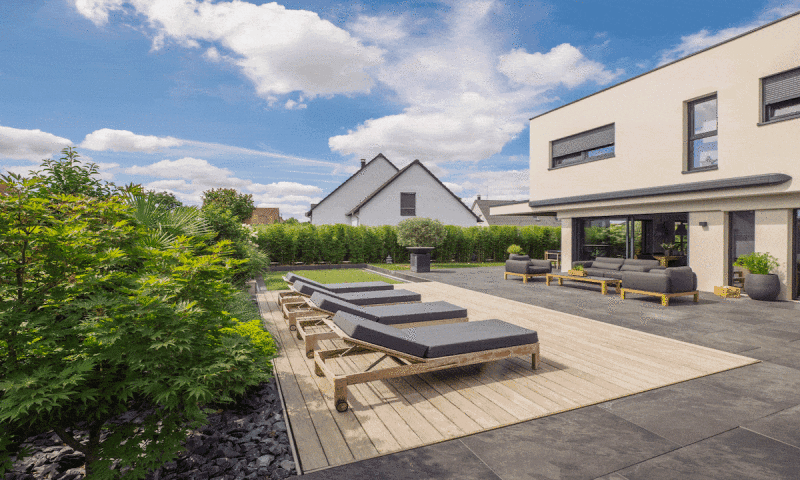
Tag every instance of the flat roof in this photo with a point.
(672, 62)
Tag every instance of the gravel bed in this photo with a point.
(247, 440)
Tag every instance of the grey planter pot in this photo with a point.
(762, 287)
(420, 259)
(515, 256)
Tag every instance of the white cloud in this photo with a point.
(278, 49)
(380, 29)
(20, 144)
(563, 64)
(705, 38)
(458, 104)
(454, 187)
(284, 188)
(187, 168)
(125, 141)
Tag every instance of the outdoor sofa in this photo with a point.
(383, 297)
(523, 266)
(312, 329)
(416, 350)
(645, 277)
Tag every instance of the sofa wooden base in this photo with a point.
(524, 276)
(664, 296)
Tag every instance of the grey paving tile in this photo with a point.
(770, 383)
(689, 411)
(446, 460)
(612, 476)
(737, 454)
(579, 444)
(782, 426)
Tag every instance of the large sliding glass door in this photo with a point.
(633, 236)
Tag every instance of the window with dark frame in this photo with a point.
(408, 204)
(781, 95)
(703, 151)
(588, 146)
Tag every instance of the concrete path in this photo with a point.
(740, 424)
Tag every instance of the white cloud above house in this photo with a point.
(279, 50)
(107, 139)
(33, 145)
(562, 65)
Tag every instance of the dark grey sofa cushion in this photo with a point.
(458, 338)
(614, 260)
(529, 267)
(517, 266)
(515, 256)
(342, 287)
(668, 280)
(606, 265)
(639, 265)
(392, 314)
(402, 340)
(334, 305)
(416, 312)
(362, 298)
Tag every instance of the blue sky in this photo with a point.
(281, 100)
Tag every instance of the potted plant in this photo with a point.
(760, 284)
(420, 236)
(667, 248)
(514, 252)
(577, 271)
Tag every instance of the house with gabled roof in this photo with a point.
(381, 194)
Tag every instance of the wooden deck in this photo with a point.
(584, 362)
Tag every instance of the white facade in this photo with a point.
(333, 208)
(372, 197)
(433, 200)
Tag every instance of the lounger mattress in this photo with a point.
(392, 314)
(362, 298)
(343, 287)
(437, 340)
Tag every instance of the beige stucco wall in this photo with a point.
(566, 243)
(649, 113)
(774, 236)
(708, 249)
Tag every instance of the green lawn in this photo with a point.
(273, 280)
(405, 266)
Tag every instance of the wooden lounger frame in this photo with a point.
(664, 296)
(307, 326)
(525, 276)
(404, 364)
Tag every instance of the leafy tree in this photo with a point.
(291, 221)
(69, 176)
(240, 205)
(420, 232)
(96, 319)
(166, 200)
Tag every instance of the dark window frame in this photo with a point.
(583, 156)
(692, 137)
(408, 211)
(768, 109)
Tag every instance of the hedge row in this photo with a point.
(286, 244)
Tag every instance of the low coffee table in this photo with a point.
(603, 281)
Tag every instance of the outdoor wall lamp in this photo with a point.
(703, 224)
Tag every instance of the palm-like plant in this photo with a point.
(166, 224)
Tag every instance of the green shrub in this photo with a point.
(420, 232)
(96, 318)
(240, 205)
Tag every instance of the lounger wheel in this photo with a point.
(292, 327)
(341, 406)
(310, 354)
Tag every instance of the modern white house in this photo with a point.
(381, 194)
(703, 152)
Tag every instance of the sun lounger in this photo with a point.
(312, 330)
(417, 350)
(383, 297)
(290, 278)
